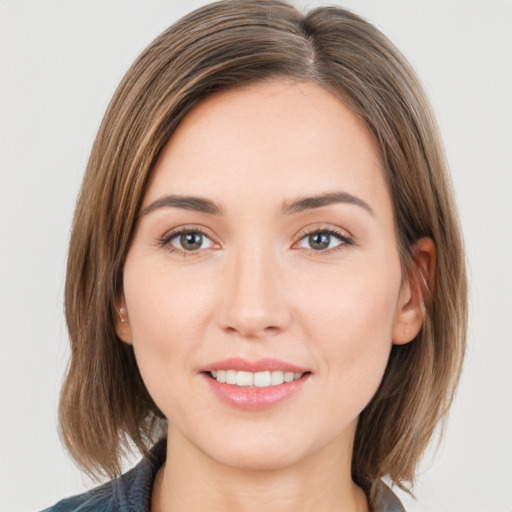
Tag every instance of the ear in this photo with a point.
(414, 293)
(123, 330)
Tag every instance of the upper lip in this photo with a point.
(239, 364)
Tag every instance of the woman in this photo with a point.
(266, 275)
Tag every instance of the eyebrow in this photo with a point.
(309, 203)
(197, 204)
(202, 205)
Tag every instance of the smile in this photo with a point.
(255, 385)
(262, 379)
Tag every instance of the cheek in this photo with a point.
(166, 316)
(350, 320)
(163, 306)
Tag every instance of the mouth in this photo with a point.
(255, 385)
(263, 379)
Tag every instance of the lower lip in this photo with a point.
(252, 398)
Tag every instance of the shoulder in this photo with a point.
(130, 492)
(100, 498)
(386, 500)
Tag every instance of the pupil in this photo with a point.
(319, 240)
(191, 240)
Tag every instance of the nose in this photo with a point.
(253, 302)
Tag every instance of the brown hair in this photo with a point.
(104, 404)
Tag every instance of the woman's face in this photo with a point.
(265, 252)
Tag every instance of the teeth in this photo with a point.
(257, 379)
(243, 378)
(262, 379)
(276, 378)
(231, 377)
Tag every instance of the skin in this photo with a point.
(258, 288)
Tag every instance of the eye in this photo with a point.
(186, 241)
(323, 240)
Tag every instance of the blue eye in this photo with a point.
(323, 240)
(189, 241)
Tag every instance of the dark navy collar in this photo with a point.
(386, 500)
(131, 492)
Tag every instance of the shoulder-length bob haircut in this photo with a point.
(104, 406)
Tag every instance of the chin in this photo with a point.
(259, 458)
(266, 448)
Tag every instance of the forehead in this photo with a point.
(270, 139)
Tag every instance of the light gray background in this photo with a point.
(60, 62)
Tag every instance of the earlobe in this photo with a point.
(416, 290)
(123, 330)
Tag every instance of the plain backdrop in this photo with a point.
(60, 62)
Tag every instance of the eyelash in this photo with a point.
(166, 239)
(343, 237)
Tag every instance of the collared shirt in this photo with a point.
(131, 492)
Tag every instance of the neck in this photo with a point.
(193, 481)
